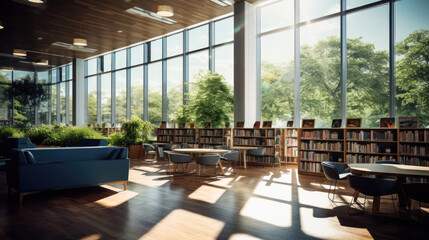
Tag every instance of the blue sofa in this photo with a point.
(10, 143)
(85, 142)
(38, 169)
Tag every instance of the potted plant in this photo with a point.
(135, 132)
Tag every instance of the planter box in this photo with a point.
(136, 152)
(47, 146)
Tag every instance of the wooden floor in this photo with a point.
(256, 203)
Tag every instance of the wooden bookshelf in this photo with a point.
(414, 146)
(259, 137)
(316, 145)
(291, 145)
(214, 137)
(165, 135)
(177, 135)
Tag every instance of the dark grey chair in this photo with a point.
(179, 159)
(230, 157)
(418, 192)
(147, 148)
(375, 187)
(335, 171)
(208, 160)
(185, 145)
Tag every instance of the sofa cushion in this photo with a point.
(114, 154)
(30, 158)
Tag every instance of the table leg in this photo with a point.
(376, 205)
(221, 168)
(175, 167)
(404, 201)
(244, 158)
(355, 196)
(198, 168)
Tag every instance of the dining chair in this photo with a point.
(335, 171)
(208, 160)
(418, 192)
(375, 187)
(179, 159)
(147, 148)
(230, 157)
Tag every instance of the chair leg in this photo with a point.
(394, 209)
(329, 192)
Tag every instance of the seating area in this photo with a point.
(214, 119)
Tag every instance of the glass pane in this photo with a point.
(311, 9)
(174, 85)
(71, 71)
(368, 65)
(137, 55)
(156, 50)
(198, 61)
(199, 37)
(92, 100)
(277, 77)
(412, 81)
(320, 72)
(63, 74)
(137, 92)
(175, 44)
(92, 68)
(224, 30)
(42, 77)
(70, 102)
(276, 15)
(357, 3)
(5, 98)
(54, 104)
(62, 102)
(43, 110)
(121, 59)
(121, 96)
(106, 98)
(224, 63)
(155, 93)
(107, 62)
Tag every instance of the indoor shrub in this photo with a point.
(115, 139)
(71, 136)
(135, 131)
(6, 132)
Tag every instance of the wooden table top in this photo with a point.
(200, 150)
(390, 169)
(243, 148)
(160, 143)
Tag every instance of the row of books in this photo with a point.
(371, 135)
(185, 139)
(310, 167)
(261, 159)
(322, 134)
(254, 133)
(315, 145)
(414, 150)
(292, 152)
(209, 146)
(219, 140)
(414, 161)
(165, 132)
(291, 141)
(165, 138)
(251, 141)
(313, 156)
(291, 133)
(357, 158)
(185, 132)
(414, 136)
(368, 148)
(212, 132)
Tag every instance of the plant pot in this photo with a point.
(136, 152)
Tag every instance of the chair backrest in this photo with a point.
(372, 186)
(148, 147)
(208, 160)
(417, 191)
(386, 162)
(330, 171)
(231, 156)
(179, 157)
(185, 145)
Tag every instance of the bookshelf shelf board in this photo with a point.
(211, 136)
(319, 150)
(253, 136)
(317, 139)
(291, 137)
(212, 143)
(189, 135)
(292, 146)
(306, 160)
(419, 142)
(253, 145)
(370, 153)
(381, 141)
(413, 155)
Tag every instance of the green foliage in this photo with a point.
(211, 100)
(183, 114)
(39, 134)
(115, 139)
(412, 76)
(6, 132)
(71, 136)
(155, 107)
(136, 131)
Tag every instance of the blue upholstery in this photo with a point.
(14, 143)
(92, 142)
(231, 156)
(334, 171)
(179, 158)
(418, 192)
(208, 160)
(66, 167)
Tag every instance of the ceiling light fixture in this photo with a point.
(165, 11)
(148, 14)
(36, 1)
(1, 25)
(43, 62)
(7, 68)
(224, 3)
(80, 42)
(19, 52)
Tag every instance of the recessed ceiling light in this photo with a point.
(7, 68)
(40, 38)
(145, 13)
(19, 52)
(80, 42)
(165, 11)
(223, 3)
(119, 31)
(36, 1)
(43, 62)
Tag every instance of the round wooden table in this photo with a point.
(398, 170)
(243, 151)
(200, 151)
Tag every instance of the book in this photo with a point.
(387, 122)
(257, 124)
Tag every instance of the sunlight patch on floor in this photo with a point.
(92, 237)
(315, 198)
(326, 186)
(112, 188)
(242, 236)
(117, 199)
(148, 180)
(295, 173)
(272, 212)
(207, 194)
(327, 227)
(282, 177)
(147, 169)
(274, 190)
(223, 182)
(182, 224)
